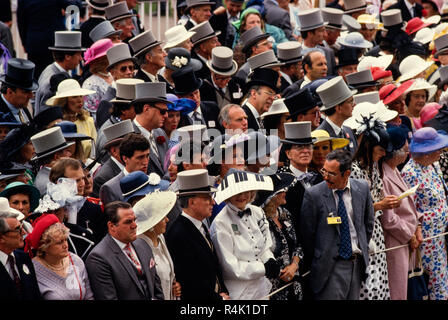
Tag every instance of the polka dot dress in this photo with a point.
(376, 286)
(444, 165)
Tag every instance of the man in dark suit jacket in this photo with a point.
(19, 283)
(278, 16)
(406, 14)
(189, 241)
(335, 237)
(222, 19)
(122, 267)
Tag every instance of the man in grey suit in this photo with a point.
(122, 267)
(336, 224)
(277, 14)
(134, 153)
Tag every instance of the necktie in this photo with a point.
(22, 117)
(16, 279)
(244, 212)
(133, 258)
(153, 144)
(197, 118)
(345, 249)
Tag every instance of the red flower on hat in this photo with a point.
(160, 139)
(424, 12)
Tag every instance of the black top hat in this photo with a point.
(263, 77)
(8, 120)
(185, 81)
(45, 117)
(14, 141)
(347, 56)
(300, 102)
(175, 64)
(70, 131)
(20, 74)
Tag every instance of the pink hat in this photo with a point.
(97, 50)
(428, 112)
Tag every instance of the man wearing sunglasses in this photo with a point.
(17, 275)
(336, 224)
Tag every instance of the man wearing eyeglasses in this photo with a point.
(17, 275)
(336, 224)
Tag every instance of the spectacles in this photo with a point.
(324, 173)
(268, 93)
(124, 68)
(162, 111)
(18, 229)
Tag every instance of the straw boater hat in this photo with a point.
(203, 31)
(115, 133)
(236, 182)
(48, 142)
(193, 3)
(99, 4)
(103, 30)
(251, 37)
(298, 133)
(150, 92)
(311, 19)
(150, 210)
(322, 136)
(117, 54)
(334, 18)
(193, 182)
(412, 66)
(67, 88)
(118, 11)
(334, 92)
(20, 74)
(222, 61)
(351, 6)
(360, 80)
(176, 35)
(143, 42)
(289, 52)
(125, 90)
(67, 41)
(372, 97)
(265, 59)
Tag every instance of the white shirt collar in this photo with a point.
(253, 110)
(287, 77)
(409, 6)
(58, 66)
(296, 171)
(306, 80)
(146, 133)
(196, 222)
(151, 77)
(229, 16)
(334, 126)
(3, 258)
(347, 187)
(122, 245)
(117, 163)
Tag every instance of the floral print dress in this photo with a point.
(376, 286)
(430, 200)
(98, 84)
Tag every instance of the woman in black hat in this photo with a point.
(285, 247)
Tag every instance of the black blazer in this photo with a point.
(107, 171)
(196, 266)
(210, 114)
(90, 216)
(86, 27)
(141, 75)
(291, 89)
(251, 121)
(4, 108)
(30, 288)
(221, 22)
(405, 14)
(204, 72)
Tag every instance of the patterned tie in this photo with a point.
(345, 249)
(197, 118)
(133, 258)
(22, 117)
(17, 281)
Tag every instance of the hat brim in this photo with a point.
(151, 100)
(8, 176)
(228, 193)
(424, 25)
(77, 136)
(67, 49)
(215, 34)
(336, 102)
(125, 16)
(112, 142)
(355, 9)
(179, 193)
(68, 144)
(305, 141)
(313, 27)
(154, 44)
(432, 89)
(341, 28)
(439, 143)
(336, 143)
(195, 64)
(364, 45)
(172, 44)
(53, 101)
(33, 87)
(365, 85)
(11, 124)
(25, 189)
(228, 73)
(251, 83)
(397, 93)
(419, 69)
(119, 61)
(97, 7)
(436, 55)
(254, 40)
(199, 4)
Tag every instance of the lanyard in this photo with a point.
(76, 274)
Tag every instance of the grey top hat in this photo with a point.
(118, 11)
(334, 92)
(222, 61)
(311, 19)
(441, 44)
(251, 37)
(150, 92)
(125, 90)
(289, 52)
(103, 30)
(142, 42)
(351, 23)
(334, 18)
(298, 133)
(361, 79)
(98, 4)
(119, 53)
(48, 142)
(193, 182)
(443, 72)
(193, 132)
(265, 59)
(351, 6)
(204, 31)
(194, 3)
(391, 17)
(117, 131)
(372, 97)
(67, 41)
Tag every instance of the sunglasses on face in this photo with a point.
(124, 68)
(162, 111)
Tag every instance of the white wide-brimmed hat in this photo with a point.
(368, 62)
(176, 35)
(237, 181)
(365, 110)
(150, 210)
(68, 88)
(433, 20)
(5, 208)
(424, 35)
(411, 66)
(422, 84)
(277, 107)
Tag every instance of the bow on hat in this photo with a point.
(373, 129)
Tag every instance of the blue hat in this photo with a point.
(184, 105)
(70, 131)
(138, 183)
(397, 137)
(428, 140)
(6, 119)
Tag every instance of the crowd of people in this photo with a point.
(261, 150)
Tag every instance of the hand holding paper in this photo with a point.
(408, 192)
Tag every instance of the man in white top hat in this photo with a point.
(121, 18)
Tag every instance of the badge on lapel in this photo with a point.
(25, 269)
(151, 263)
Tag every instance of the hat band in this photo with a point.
(14, 81)
(334, 25)
(195, 190)
(136, 189)
(357, 8)
(51, 149)
(222, 69)
(300, 140)
(204, 38)
(390, 93)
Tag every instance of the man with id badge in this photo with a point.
(336, 226)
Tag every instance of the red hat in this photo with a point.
(391, 92)
(415, 24)
(380, 73)
(39, 226)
